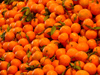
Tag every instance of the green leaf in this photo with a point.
(79, 63)
(2, 59)
(8, 65)
(92, 1)
(0, 28)
(22, 17)
(68, 13)
(72, 6)
(29, 54)
(8, 28)
(90, 60)
(46, 17)
(49, 33)
(5, 1)
(3, 13)
(65, 8)
(98, 39)
(3, 35)
(59, 26)
(32, 67)
(24, 9)
(75, 17)
(29, 17)
(52, 59)
(27, 38)
(47, 12)
(27, 12)
(88, 26)
(53, 29)
(71, 64)
(78, 67)
(44, 59)
(63, 1)
(8, 1)
(28, 51)
(73, 56)
(89, 51)
(74, 63)
(65, 71)
(56, 43)
(41, 48)
(74, 66)
(62, 23)
(96, 28)
(41, 32)
(19, 33)
(14, 5)
(27, 63)
(91, 54)
(22, 73)
(11, 1)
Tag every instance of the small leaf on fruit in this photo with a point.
(8, 28)
(49, 33)
(3, 35)
(53, 58)
(47, 12)
(59, 26)
(27, 12)
(96, 28)
(24, 9)
(3, 13)
(71, 64)
(78, 67)
(41, 32)
(62, 23)
(32, 67)
(27, 37)
(41, 48)
(72, 6)
(46, 17)
(88, 26)
(2, 59)
(79, 63)
(65, 71)
(29, 17)
(8, 65)
(75, 18)
(53, 29)
(29, 54)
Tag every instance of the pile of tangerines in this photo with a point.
(50, 37)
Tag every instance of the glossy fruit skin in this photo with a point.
(64, 57)
(90, 66)
(81, 14)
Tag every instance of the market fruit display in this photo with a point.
(50, 37)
